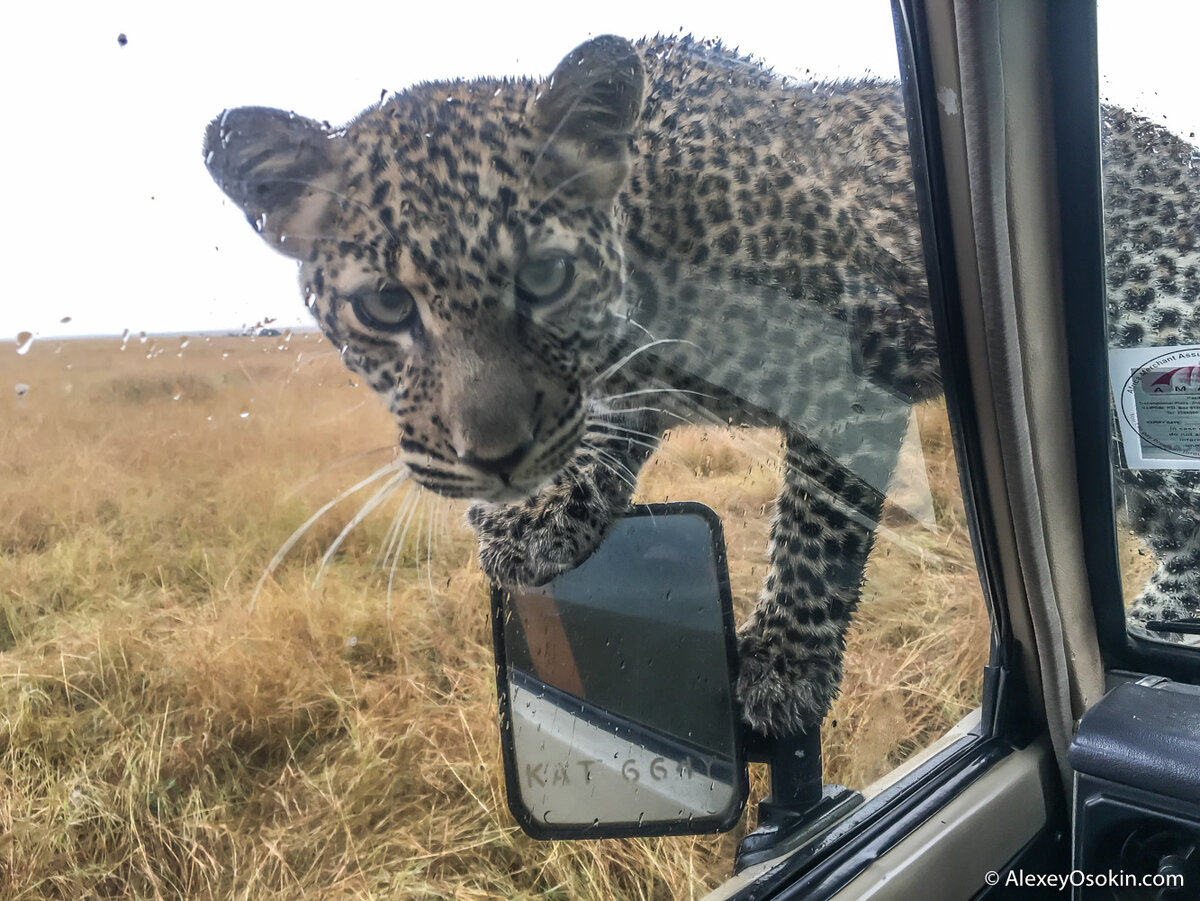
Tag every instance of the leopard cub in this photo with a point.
(540, 278)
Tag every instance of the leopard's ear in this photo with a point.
(278, 167)
(586, 114)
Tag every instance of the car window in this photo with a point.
(1149, 158)
(244, 645)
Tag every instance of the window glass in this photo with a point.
(1152, 229)
(240, 651)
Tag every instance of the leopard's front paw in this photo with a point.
(781, 692)
(531, 542)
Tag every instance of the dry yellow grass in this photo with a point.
(158, 741)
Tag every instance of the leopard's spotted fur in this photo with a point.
(743, 247)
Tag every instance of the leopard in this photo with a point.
(542, 277)
(1152, 259)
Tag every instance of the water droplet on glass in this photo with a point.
(143, 337)
(65, 320)
(184, 341)
(21, 388)
(24, 342)
(245, 414)
(177, 395)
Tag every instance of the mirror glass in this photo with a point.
(615, 681)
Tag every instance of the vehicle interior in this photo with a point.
(1081, 770)
(1085, 756)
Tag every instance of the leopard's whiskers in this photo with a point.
(604, 459)
(618, 429)
(664, 390)
(378, 474)
(398, 549)
(393, 532)
(620, 411)
(615, 367)
(382, 494)
(335, 464)
(618, 467)
(433, 508)
(706, 417)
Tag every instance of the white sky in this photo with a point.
(111, 219)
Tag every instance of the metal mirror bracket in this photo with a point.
(800, 807)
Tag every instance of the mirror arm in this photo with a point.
(799, 806)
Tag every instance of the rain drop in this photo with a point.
(24, 342)
(245, 414)
(21, 388)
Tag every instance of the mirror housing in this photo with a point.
(615, 682)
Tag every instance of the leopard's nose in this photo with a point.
(499, 466)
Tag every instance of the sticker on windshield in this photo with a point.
(1157, 393)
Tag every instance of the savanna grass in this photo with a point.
(159, 740)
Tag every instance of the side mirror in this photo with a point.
(617, 710)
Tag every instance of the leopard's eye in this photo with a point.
(545, 279)
(390, 309)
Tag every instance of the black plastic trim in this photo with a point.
(870, 831)
(933, 210)
(1075, 86)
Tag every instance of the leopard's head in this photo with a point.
(460, 244)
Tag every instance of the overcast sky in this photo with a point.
(112, 221)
